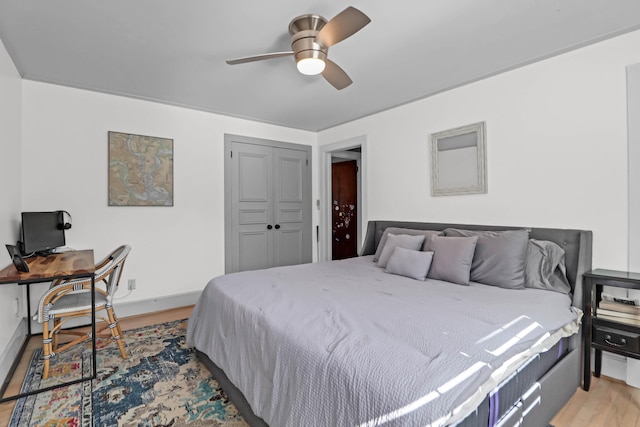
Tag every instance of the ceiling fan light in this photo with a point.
(311, 66)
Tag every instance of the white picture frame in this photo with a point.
(458, 161)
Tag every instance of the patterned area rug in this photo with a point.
(162, 383)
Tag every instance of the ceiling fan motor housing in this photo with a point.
(304, 30)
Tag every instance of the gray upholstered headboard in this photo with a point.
(576, 243)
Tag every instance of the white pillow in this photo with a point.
(401, 240)
(405, 262)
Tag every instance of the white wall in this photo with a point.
(556, 149)
(174, 249)
(10, 136)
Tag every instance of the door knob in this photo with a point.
(277, 226)
(269, 227)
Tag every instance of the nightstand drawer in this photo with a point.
(616, 339)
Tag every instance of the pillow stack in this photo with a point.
(405, 241)
(507, 259)
(499, 258)
(403, 254)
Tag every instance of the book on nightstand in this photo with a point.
(634, 302)
(619, 319)
(616, 306)
(614, 313)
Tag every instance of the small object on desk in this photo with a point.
(62, 249)
(16, 258)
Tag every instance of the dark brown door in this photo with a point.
(344, 195)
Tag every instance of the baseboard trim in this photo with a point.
(12, 348)
(133, 308)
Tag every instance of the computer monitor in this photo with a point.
(42, 232)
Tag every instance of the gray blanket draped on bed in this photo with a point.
(314, 344)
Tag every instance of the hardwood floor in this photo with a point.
(609, 403)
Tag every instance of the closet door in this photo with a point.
(268, 217)
(290, 225)
(252, 212)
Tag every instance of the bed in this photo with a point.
(352, 343)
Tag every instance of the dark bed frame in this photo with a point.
(556, 387)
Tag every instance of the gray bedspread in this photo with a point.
(343, 343)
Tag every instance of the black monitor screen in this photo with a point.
(42, 231)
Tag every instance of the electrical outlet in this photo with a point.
(131, 284)
(16, 307)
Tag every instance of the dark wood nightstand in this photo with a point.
(606, 334)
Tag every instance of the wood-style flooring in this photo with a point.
(609, 403)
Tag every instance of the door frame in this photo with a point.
(325, 206)
(229, 139)
(633, 149)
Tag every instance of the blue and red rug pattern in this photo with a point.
(161, 383)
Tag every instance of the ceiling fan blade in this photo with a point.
(336, 75)
(343, 25)
(258, 57)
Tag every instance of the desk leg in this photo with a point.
(28, 310)
(94, 372)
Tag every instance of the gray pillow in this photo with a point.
(500, 256)
(405, 262)
(398, 230)
(545, 267)
(402, 240)
(452, 257)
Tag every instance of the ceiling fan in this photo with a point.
(311, 37)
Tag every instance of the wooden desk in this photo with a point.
(64, 265)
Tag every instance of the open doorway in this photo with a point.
(344, 201)
(341, 215)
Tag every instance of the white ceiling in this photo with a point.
(174, 51)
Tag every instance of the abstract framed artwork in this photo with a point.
(459, 161)
(140, 170)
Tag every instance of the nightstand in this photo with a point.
(606, 334)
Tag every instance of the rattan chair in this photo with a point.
(70, 299)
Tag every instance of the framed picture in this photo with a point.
(140, 170)
(458, 161)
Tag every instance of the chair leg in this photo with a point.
(46, 349)
(56, 329)
(116, 331)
